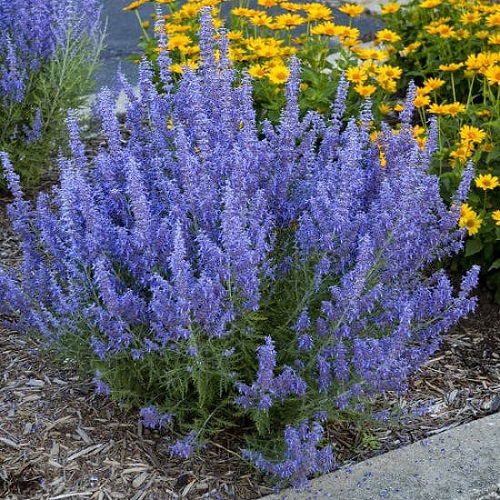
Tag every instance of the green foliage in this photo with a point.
(59, 84)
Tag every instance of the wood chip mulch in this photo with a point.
(58, 440)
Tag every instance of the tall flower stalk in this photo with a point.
(217, 272)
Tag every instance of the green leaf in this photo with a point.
(472, 247)
(495, 265)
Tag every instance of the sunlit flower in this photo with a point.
(318, 12)
(470, 17)
(328, 29)
(135, 5)
(433, 83)
(390, 8)
(387, 36)
(268, 3)
(493, 20)
(384, 108)
(412, 47)
(493, 75)
(352, 10)
(472, 222)
(257, 71)
(496, 217)
(356, 74)
(178, 41)
(391, 72)
(454, 108)
(494, 39)
(472, 134)
(451, 67)
(365, 90)
(278, 74)
(430, 4)
(288, 21)
(421, 101)
(487, 181)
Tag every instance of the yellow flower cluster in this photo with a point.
(259, 41)
(469, 219)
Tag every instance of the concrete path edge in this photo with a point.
(459, 464)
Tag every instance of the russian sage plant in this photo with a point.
(48, 53)
(219, 273)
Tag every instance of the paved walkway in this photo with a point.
(123, 33)
(459, 464)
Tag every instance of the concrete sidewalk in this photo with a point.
(459, 464)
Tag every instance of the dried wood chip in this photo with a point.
(10, 443)
(91, 450)
(137, 482)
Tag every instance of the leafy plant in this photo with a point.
(48, 54)
(216, 273)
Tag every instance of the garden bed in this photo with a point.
(60, 440)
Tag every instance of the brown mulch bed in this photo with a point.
(59, 440)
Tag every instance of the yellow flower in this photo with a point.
(493, 75)
(398, 107)
(390, 8)
(267, 51)
(433, 83)
(257, 71)
(387, 36)
(189, 50)
(241, 12)
(472, 134)
(418, 130)
(466, 210)
(471, 222)
(470, 17)
(288, 21)
(445, 31)
(384, 108)
(494, 39)
(135, 5)
(487, 181)
(480, 61)
(437, 109)
(268, 3)
(483, 113)
(421, 101)
(411, 48)
(318, 12)
(463, 153)
(421, 91)
(374, 135)
(328, 29)
(235, 35)
(421, 141)
(365, 90)
(293, 7)
(482, 34)
(178, 41)
(462, 34)
(454, 108)
(493, 20)
(450, 67)
(352, 10)
(356, 74)
(278, 74)
(179, 68)
(383, 161)
(429, 4)
(390, 72)
(496, 217)
(260, 19)
(386, 84)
